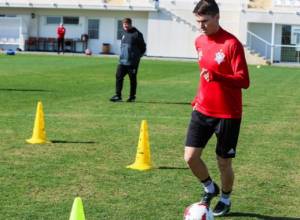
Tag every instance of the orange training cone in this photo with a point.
(39, 133)
(142, 159)
(77, 212)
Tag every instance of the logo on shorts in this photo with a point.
(231, 151)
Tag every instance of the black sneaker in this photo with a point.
(131, 99)
(116, 98)
(207, 197)
(221, 209)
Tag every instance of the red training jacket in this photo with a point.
(61, 32)
(223, 56)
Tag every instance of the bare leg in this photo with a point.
(226, 173)
(192, 157)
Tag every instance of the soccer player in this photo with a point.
(61, 31)
(133, 48)
(217, 107)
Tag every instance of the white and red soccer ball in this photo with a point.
(198, 211)
(88, 52)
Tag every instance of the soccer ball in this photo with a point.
(198, 211)
(88, 52)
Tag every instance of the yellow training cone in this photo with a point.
(77, 212)
(39, 133)
(142, 159)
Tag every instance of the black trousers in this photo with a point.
(60, 45)
(122, 71)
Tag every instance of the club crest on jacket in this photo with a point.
(220, 56)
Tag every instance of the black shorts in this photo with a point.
(202, 127)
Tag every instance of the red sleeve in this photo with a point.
(240, 76)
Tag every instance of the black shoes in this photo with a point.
(207, 197)
(131, 99)
(116, 98)
(221, 209)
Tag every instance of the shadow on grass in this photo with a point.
(172, 168)
(258, 216)
(165, 103)
(25, 90)
(72, 142)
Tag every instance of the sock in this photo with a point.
(225, 197)
(208, 185)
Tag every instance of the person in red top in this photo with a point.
(61, 31)
(217, 107)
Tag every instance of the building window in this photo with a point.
(295, 35)
(120, 30)
(93, 28)
(65, 20)
(289, 54)
(286, 35)
(53, 20)
(71, 20)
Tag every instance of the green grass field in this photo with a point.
(95, 139)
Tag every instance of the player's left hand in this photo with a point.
(205, 73)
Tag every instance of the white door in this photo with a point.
(94, 35)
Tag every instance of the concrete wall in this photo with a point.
(37, 27)
(170, 35)
(169, 32)
(107, 28)
(173, 29)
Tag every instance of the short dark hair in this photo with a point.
(127, 21)
(206, 7)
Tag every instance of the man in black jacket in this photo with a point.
(132, 49)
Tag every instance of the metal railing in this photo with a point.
(273, 53)
(258, 45)
(287, 53)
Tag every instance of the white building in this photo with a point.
(270, 28)
(37, 20)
